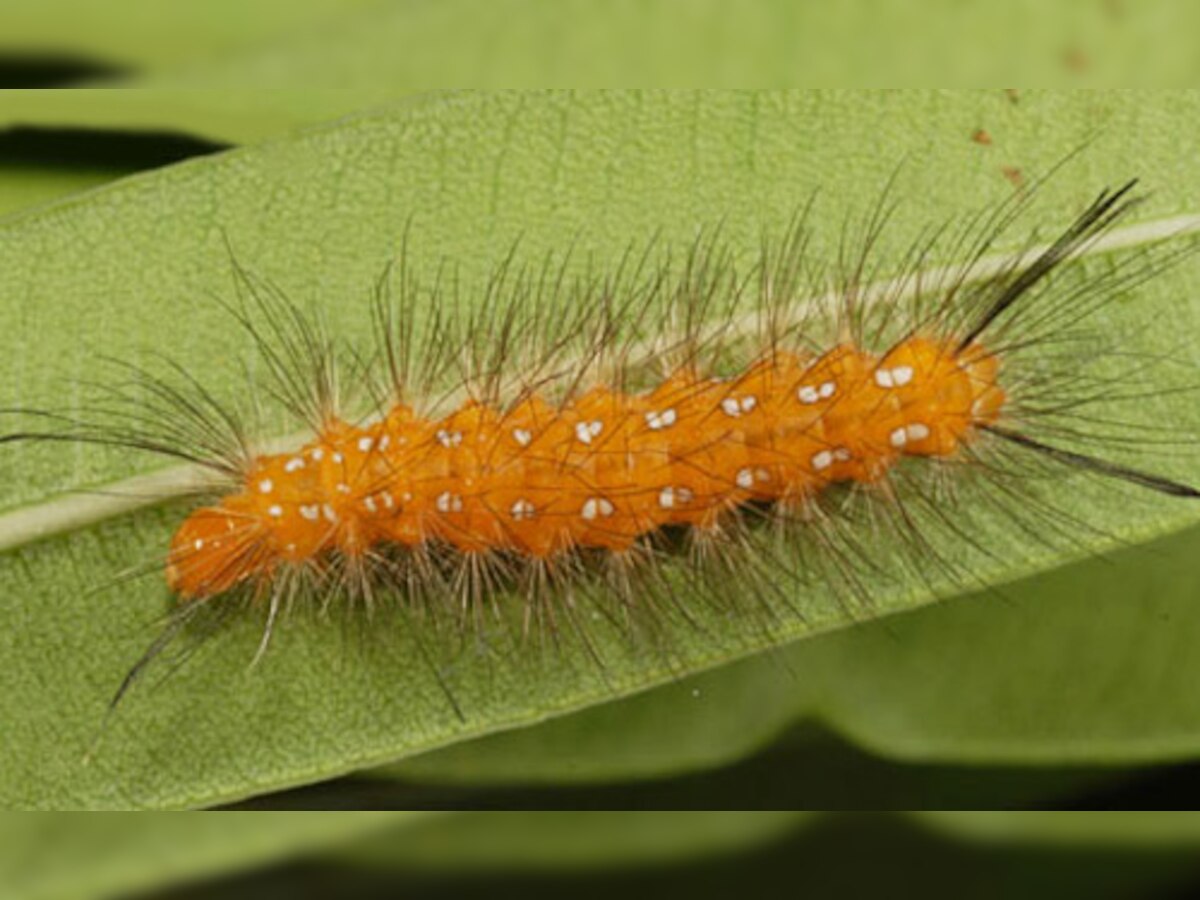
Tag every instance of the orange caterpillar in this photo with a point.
(605, 468)
(598, 472)
(569, 472)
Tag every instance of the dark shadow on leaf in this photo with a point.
(51, 70)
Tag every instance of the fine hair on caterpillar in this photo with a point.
(580, 447)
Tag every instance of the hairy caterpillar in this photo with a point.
(578, 430)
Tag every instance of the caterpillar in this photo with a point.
(561, 439)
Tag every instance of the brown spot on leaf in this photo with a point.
(1014, 175)
(1076, 60)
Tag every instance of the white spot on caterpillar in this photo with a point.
(596, 506)
(522, 436)
(894, 377)
(276, 511)
(343, 488)
(369, 503)
(666, 498)
(899, 437)
(585, 431)
(384, 442)
(447, 502)
(841, 454)
(294, 464)
(522, 510)
(329, 512)
(660, 420)
(365, 444)
(265, 485)
(337, 457)
(822, 459)
(684, 494)
(745, 478)
(918, 431)
(199, 544)
(733, 407)
(310, 512)
(317, 453)
(388, 502)
(809, 394)
(449, 438)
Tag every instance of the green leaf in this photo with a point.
(321, 213)
(23, 187)
(505, 841)
(146, 33)
(988, 679)
(202, 109)
(65, 856)
(807, 769)
(203, 68)
(824, 856)
(126, 855)
(1125, 829)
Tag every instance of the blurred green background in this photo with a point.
(1090, 674)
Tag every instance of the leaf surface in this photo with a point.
(140, 34)
(320, 213)
(77, 857)
(939, 684)
(241, 70)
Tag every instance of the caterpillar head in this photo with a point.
(217, 548)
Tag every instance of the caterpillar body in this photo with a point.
(597, 423)
(601, 471)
